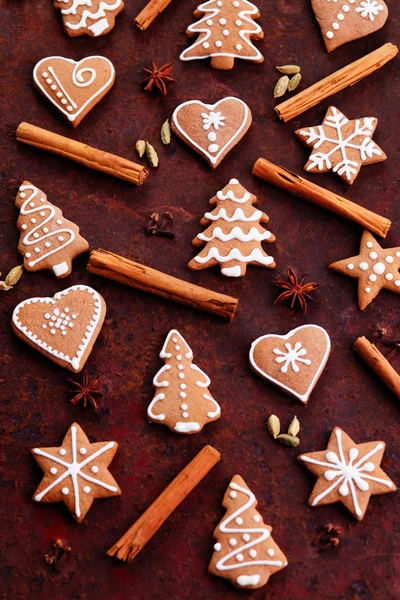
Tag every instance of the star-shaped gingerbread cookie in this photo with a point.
(340, 145)
(347, 472)
(375, 268)
(76, 472)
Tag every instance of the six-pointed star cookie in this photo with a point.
(340, 145)
(76, 472)
(347, 472)
(375, 268)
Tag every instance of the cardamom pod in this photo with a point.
(166, 133)
(274, 426)
(294, 82)
(140, 147)
(281, 86)
(294, 426)
(14, 275)
(288, 440)
(4, 287)
(152, 155)
(289, 69)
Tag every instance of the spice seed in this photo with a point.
(166, 133)
(294, 82)
(281, 86)
(294, 427)
(151, 155)
(140, 147)
(4, 287)
(288, 440)
(274, 426)
(289, 69)
(14, 275)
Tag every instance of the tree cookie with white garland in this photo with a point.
(340, 145)
(234, 236)
(76, 472)
(245, 552)
(294, 362)
(88, 17)
(63, 328)
(48, 240)
(74, 87)
(225, 30)
(182, 400)
(347, 472)
(376, 268)
(343, 21)
(212, 130)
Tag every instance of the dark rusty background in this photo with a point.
(34, 393)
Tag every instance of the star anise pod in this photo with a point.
(158, 77)
(87, 391)
(296, 290)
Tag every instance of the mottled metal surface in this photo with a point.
(34, 406)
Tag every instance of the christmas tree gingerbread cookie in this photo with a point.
(212, 130)
(76, 472)
(340, 145)
(348, 20)
(347, 472)
(182, 400)
(234, 236)
(225, 29)
(48, 240)
(63, 328)
(245, 552)
(88, 17)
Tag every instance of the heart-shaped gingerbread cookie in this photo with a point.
(293, 362)
(343, 21)
(63, 328)
(74, 87)
(212, 130)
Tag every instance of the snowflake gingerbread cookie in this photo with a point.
(340, 145)
(376, 268)
(48, 240)
(234, 236)
(76, 472)
(245, 552)
(343, 21)
(212, 130)
(347, 472)
(88, 17)
(182, 400)
(225, 29)
(295, 361)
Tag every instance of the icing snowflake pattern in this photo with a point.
(213, 119)
(369, 9)
(291, 357)
(351, 474)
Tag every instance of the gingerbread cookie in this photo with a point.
(48, 240)
(63, 328)
(212, 130)
(225, 32)
(74, 87)
(340, 145)
(182, 400)
(375, 268)
(347, 472)
(245, 552)
(234, 234)
(76, 472)
(295, 361)
(343, 22)
(88, 17)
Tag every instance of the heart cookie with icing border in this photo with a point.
(63, 328)
(74, 87)
(212, 130)
(295, 361)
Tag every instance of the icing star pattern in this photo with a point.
(348, 472)
(375, 268)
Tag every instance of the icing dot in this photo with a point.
(257, 518)
(222, 21)
(225, 32)
(53, 318)
(239, 520)
(246, 537)
(238, 22)
(47, 244)
(44, 326)
(219, 3)
(372, 278)
(212, 148)
(37, 250)
(177, 348)
(232, 542)
(33, 220)
(52, 331)
(53, 470)
(185, 415)
(28, 254)
(217, 547)
(66, 309)
(271, 552)
(82, 451)
(335, 25)
(56, 311)
(59, 95)
(329, 35)
(60, 238)
(212, 136)
(379, 268)
(181, 376)
(182, 386)
(69, 108)
(94, 469)
(182, 395)
(184, 406)
(398, 254)
(174, 340)
(363, 266)
(397, 283)
(181, 367)
(238, 47)
(233, 494)
(205, 45)
(209, 22)
(350, 266)
(22, 194)
(340, 17)
(369, 244)
(218, 44)
(49, 80)
(239, 557)
(179, 357)
(373, 255)
(367, 290)
(54, 87)
(86, 489)
(59, 221)
(236, 3)
(42, 200)
(62, 315)
(389, 276)
(45, 229)
(389, 259)
(24, 226)
(65, 491)
(63, 101)
(253, 553)
(35, 235)
(42, 213)
(45, 74)
(31, 204)
(47, 316)
(73, 316)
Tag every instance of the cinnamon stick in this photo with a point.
(112, 266)
(135, 539)
(378, 363)
(336, 82)
(150, 12)
(82, 153)
(297, 185)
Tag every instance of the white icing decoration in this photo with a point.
(235, 271)
(367, 9)
(373, 255)
(186, 427)
(255, 256)
(73, 470)
(350, 266)
(236, 233)
(291, 357)
(363, 266)
(238, 215)
(245, 580)
(217, 547)
(349, 474)
(96, 28)
(213, 119)
(271, 552)
(389, 259)
(379, 268)
(389, 276)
